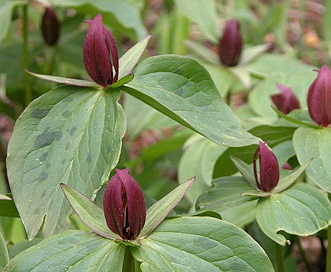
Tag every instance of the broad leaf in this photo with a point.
(225, 197)
(204, 14)
(200, 244)
(301, 210)
(4, 257)
(70, 135)
(73, 251)
(182, 89)
(158, 211)
(119, 14)
(141, 116)
(198, 160)
(314, 144)
(87, 211)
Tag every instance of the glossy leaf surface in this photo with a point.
(186, 244)
(70, 135)
(314, 144)
(182, 89)
(301, 210)
(73, 251)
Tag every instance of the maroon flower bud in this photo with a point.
(269, 169)
(286, 101)
(50, 27)
(231, 44)
(319, 98)
(100, 53)
(124, 205)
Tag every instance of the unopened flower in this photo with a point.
(286, 100)
(124, 205)
(230, 45)
(50, 27)
(268, 177)
(319, 97)
(100, 53)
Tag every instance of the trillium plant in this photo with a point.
(123, 159)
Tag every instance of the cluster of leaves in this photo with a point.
(75, 136)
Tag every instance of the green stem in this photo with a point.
(28, 91)
(328, 254)
(128, 262)
(279, 258)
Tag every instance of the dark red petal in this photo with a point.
(113, 50)
(230, 46)
(135, 202)
(286, 101)
(113, 206)
(269, 169)
(319, 97)
(96, 53)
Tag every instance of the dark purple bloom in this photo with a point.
(50, 27)
(286, 101)
(231, 44)
(124, 205)
(319, 97)
(269, 169)
(100, 53)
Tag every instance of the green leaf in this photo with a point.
(130, 59)
(198, 160)
(312, 143)
(288, 180)
(204, 14)
(6, 9)
(268, 64)
(119, 14)
(158, 211)
(182, 89)
(200, 244)
(70, 135)
(4, 257)
(141, 116)
(74, 251)
(124, 80)
(88, 212)
(204, 52)
(7, 207)
(252, 52)
(245, 170)
(301, 210)
(225, 197)
(293, 120)
(68, 81)
(273, 135)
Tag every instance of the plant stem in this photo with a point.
(128, 262)
(28, 91)
(328, 254)
(279, 258)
